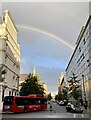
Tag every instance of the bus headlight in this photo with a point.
(6, 107)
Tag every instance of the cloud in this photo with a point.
(45, 51)
(51, 77)
(57, 18)
(45, 33)
(50, 56)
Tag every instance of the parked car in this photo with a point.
(63, 103)
(73, 109)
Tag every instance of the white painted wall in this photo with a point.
(9, 56)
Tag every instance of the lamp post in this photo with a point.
(84, 88)
(17, 85)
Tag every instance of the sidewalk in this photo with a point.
(0, 111)
(86, 111)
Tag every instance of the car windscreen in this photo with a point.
(8, 99)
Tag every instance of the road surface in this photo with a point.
(58, 112)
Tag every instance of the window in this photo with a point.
(6, 45)
(12, 93)
(21, 101)
(83, 56)
(14, 65)
(86, 33)
(13, 76)
(8, 100)
(88, 63)
(79, 49)
(15, 93)
(84, 41)
(90, 29)
(5, 58)
(9, 93)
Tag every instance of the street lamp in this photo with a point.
(84, 88)
(17, 85)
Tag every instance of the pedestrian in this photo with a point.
(85, 105)
(81, 101)
(51, 107)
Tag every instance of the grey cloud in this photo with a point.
(61, 19)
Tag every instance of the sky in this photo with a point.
(47, 32)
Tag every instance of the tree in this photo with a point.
(31, 86)
(74, 87)
(56, 97)
(64, 94)
(49, 97)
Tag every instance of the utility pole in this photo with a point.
(84, 88)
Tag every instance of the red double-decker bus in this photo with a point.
(24, 103)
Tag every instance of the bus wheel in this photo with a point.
(42, 108)
(25, 110)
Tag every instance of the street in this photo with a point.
(36, 41)
(58, 112)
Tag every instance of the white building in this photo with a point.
(80, 62)
(9, 57)
(45, 90)
(62, 83)
(22, 78)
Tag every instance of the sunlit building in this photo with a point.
(22, 79)
(9, 57)
(61, 83)
(45, 90)
(80, 62)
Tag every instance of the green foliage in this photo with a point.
(76, 93)
(49, 97)
(31, 86)
(59, 97)
(74, 87)
(64, 94)
(56, 97)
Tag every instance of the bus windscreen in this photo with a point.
(8, 99)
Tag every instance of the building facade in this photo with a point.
(80, 62)
(61, 83)
(9, 57)
(22, 78)
(45, 90)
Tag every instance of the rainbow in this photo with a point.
(46, 33)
